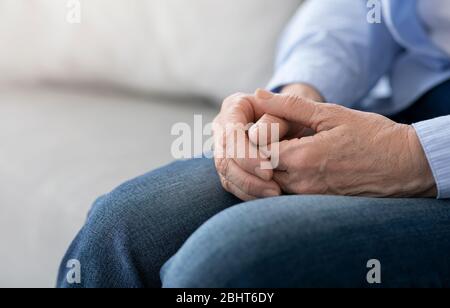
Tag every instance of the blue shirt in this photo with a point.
(331, 45)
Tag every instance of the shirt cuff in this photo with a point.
(434, 136)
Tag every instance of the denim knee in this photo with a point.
(131, 232)
(279, 242)
(236, 248)
(108, 245)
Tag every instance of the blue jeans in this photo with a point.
(177, 227)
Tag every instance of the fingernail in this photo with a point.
(271, 193)
(263, 94)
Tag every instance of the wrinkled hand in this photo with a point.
(287, 129)
(352, 153)
(241, 175)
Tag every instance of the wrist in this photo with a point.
(303, 90)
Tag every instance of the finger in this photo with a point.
(295, 109)
(299, 131)
(256, 166)
(268, 129)
(236, 145)
(231, 139)
(281, 154)
(248, 183)
(241, 108)
(263, 132)
(234, 190)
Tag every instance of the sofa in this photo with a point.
(90, 103)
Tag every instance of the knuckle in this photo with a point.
(217, 164)
(247, 184)
(333, 107)
(222, 166)
(291, 102)
(234, 100)
(238, 95)
(331, 111)
(225, 184)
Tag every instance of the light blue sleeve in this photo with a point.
(330, 45)
(435, 138)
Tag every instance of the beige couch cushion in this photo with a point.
(202, 47)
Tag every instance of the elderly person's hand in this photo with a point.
(240, 172)
(288, 130)
(353, 153)
(243, 176)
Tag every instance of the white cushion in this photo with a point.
(200, 47)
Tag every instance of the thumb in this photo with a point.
(296, 109)
(262, 132)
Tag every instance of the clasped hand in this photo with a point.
(323, 149)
